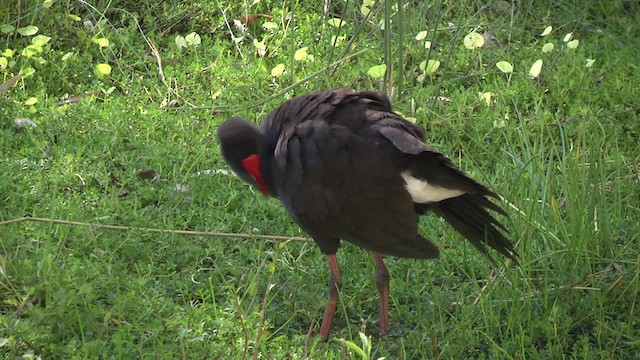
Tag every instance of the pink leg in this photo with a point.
(382, 281)
(335, 280)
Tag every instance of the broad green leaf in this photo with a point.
(486, 96)
(271, 266)
(31, 50)
(47, 3)
(377, 71)
(567, 37)
(7, 52)
(337, 40)
(589, 63)
(473, 40)
(181, 42)
(366, 7)
(573, 44)
(547, 31)
(277, 70)
(548, 47)
(28, 30)
(3, 62)
(27, 72)
(429, 67)
(269, 25)
(301, 54)
(7, 28)
(535, 69)
(421, 35)
(74, 17)
(336, 22)
(193, 39)
(67, 56)
(102, 42)
(103, 69)
(504, 66)
(261, 47)
(40, 40)
(31, 101)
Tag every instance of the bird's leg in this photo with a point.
(335, 280)
(382, 281)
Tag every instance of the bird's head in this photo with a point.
(239, 140)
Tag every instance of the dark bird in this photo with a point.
(345, 166)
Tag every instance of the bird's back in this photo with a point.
(338, 176)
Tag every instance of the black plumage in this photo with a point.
(345, 166)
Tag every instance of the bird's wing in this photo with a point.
(337, 183)
(460, 200)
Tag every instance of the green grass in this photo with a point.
(561, 149)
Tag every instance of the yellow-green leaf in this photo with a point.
(102, 42)
(366, 7)
(548, 47)
(486, 96)
(269, 25)
(31, 50)
(547, 31)
(589, 63)
(337, 40)
(103, 69)
(567, 37)
(28, 30)
(180, 42)
(573, 44)
(47, 3)
(8, 53)
(31, 101)
(377, 71)
(336, 22)
(193, 39)
(355, 348)
(67, 56)
(7, 28)
(74, 17)
(300, 54)
(277, 70)
(534, 72)
(429, 67)
(473, 40)
(504, 66)
(3, 62)
(40, 40)
(427, 44)
(421, 35)
(27, 72)
(261, 47)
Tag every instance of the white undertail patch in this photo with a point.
(422, 192)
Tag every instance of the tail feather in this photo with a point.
(468, 215)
